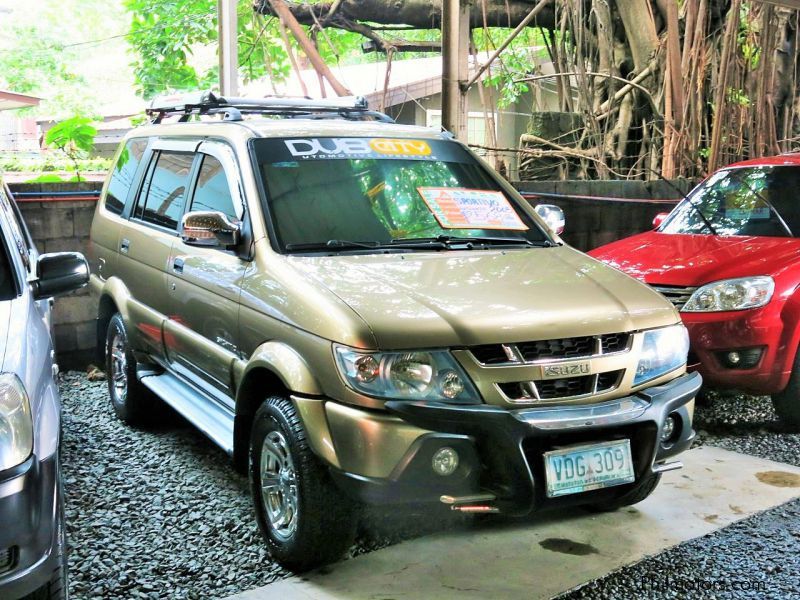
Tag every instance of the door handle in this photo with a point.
(124, 245)
(177, 265)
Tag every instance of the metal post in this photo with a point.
(455, 66)
(228, 49)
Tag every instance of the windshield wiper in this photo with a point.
(447, 241)
(333, 245)
(685, 197)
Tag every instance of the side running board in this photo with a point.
(200, 410)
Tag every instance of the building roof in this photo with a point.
(12, 100)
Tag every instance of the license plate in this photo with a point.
(589, 467)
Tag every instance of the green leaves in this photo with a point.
(74, 134)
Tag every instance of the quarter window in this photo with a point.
(123, 175)
(213, 191)
(164, 191)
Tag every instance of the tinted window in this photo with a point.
(18, 240)
(758, 201)
(212, 191)
(164, 191)
(8, 287)
(376, 190)
(123, 174)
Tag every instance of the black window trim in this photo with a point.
(152, 158)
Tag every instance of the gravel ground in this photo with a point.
(758, 557)
(160, 513)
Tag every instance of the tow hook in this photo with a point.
(476, 503)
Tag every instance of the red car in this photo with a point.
(728, 257)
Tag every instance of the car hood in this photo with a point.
(692, 260)
(464, 298)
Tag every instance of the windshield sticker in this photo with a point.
(458, 208)
(350, 148)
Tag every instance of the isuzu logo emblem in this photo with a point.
(570, 370)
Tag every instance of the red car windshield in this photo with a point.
(753, 201)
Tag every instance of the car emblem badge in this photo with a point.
(569, 370)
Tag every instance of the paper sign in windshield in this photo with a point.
(458, 208)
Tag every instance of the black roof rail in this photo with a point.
(207, 103)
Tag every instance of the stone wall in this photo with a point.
(59, 217)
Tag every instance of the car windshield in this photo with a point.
(361, 193)
(757, 201)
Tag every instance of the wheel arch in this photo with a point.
(275, 369)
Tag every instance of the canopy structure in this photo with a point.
(12, 100)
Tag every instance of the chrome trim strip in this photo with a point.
(519, 361)
(585, 415)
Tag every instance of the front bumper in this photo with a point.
(502, 451)
(712, 334)
(29, 518)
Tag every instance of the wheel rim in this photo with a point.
(119, 369)
(278, 485)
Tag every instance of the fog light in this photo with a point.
(733, 358)
(667, 431)
(445, 461)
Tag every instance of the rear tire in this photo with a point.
(133, 403)
(305, 519)
(635, 496)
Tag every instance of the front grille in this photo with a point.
(7, 558)
(558, 349)
(554, 389)
(675, 294)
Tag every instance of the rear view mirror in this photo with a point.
(209, 228)
(659, 219)
(553, 216)
(59, 273)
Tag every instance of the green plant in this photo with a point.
(74, 137)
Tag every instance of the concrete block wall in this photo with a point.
(59, 219)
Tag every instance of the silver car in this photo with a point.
(32, 545)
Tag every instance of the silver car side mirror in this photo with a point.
(553, 216)
(209, 228)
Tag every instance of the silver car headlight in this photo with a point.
(16, 424)
(663, 350)
(731, 294)
(408, 375)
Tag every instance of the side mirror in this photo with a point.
(659, 219)
(59, 273)
(553, 216)
(209, 228)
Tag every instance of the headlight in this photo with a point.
(410, 375)
(664, 350)
(16, 425)
(731, 294)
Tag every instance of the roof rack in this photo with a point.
(207, 103)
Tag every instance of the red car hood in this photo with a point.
(691, 260)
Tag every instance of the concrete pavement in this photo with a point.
(552, 553)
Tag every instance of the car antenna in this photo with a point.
(684, 196)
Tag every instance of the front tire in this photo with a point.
(638, 494)
(305, 519)
(133, 403)
(787, 402)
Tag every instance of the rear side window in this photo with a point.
(124, 172)
(212, 191)
(164, 191)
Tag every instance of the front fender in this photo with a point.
(286, 363)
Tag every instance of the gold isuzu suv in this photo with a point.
(364, 312)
